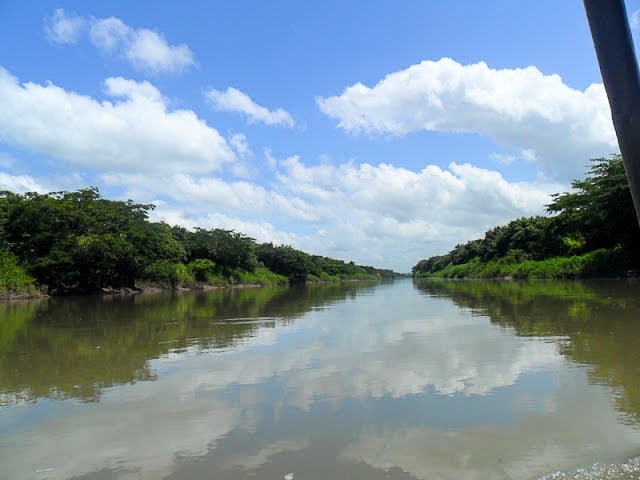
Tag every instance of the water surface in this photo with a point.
(433, 380)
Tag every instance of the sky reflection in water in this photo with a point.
(391, 381)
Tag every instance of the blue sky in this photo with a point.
(379, 132)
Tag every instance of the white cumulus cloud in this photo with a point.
(143, 48)
(400, 215)
(19, 183)
(449, 197)
(108, 33)
(426, 212)
(521, 108)
(62, 29)
(136, 130)
(233, 100)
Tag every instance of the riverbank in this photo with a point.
(602, 263)
(21, 294)
(249, 280)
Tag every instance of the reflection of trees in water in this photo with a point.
(596, 323)
(66, 347)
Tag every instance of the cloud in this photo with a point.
(143, 48)
(241, 197)
(19, 183)
(233, 100)
(201, 196)
(239, 143)
(260, 230)
(503, 158)
(519, 108)
(426, 211)
(136, 131)
(336, 210)
(133, 143)
(109, 33)
(240, 146)
(63, 29)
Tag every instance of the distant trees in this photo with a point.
(285, 260)
(597, 214)
(299, 266)
(231, 250)
(81, 242)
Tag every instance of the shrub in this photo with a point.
(203, 270)
(166, 273)
(13, 279)
(261, 276)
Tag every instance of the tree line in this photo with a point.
(83, 243)
(591, 230)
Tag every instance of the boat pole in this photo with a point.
(619, 68)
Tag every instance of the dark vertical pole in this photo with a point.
(619, 69)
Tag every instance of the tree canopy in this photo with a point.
(80, 242)
(598, 214)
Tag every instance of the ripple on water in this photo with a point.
(629, 470)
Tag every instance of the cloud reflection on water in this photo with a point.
(393, 346)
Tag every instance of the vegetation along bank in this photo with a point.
(591, 231)
(79, 242)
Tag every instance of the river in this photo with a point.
(403, 380)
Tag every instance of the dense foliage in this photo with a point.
(299, 266)
(81, 242)
(13, 278)
(591, 230)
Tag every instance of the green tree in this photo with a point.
(229, 250)
(599, 212)
(285, 260)
(202, 269)
(80, 241)
(102, 260)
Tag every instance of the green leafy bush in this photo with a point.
(13, 279)
(167, 274)
(261, 276)
(203, 270)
